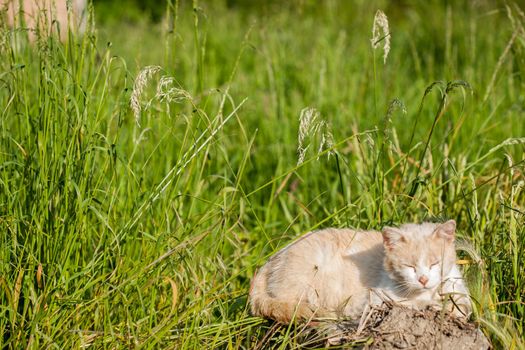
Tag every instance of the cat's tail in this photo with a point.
(264, 305)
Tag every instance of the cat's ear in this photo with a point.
(392, 236)
(446, 230)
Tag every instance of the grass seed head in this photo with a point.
(307, 120)
(141, 81)
(310, 125)
(381, 32)
(167, 91)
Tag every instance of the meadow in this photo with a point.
(148, 169)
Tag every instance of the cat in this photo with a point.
(337, 273)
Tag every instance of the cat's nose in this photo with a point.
(423, 280)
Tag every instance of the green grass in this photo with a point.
(123, 230)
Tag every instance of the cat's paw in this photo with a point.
(434, 306)
(458, 306)
(421, 304)
(461, 311)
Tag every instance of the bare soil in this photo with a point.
(396, 327)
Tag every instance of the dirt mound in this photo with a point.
(396, 327)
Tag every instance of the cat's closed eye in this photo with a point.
(410, 267)
(434, 264)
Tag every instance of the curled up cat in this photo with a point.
(337, 273)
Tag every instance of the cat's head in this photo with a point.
(419, 256)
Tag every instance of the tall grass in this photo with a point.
(133, 213)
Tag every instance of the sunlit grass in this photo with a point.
(137, 218)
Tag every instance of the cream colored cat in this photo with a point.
(338, 272)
